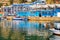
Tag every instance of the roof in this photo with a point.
(1, 12)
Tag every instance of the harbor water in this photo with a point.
(24, 30)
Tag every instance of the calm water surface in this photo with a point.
(23, 30)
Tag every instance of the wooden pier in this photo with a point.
(44, 19)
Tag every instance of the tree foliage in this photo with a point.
(21, 1)
(6, 5)
(33, 0)
(11, 1)
(1, 4)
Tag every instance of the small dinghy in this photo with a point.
(20, 19)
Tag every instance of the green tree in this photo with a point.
(33, 0)
(22, 1)
(1, 4)
(11, 1)
(6, 5)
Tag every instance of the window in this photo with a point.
(43, 2)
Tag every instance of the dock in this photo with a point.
(44, 19)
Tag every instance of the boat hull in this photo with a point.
(20, 19)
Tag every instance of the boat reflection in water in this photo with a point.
(22, 30)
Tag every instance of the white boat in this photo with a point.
(20, 19)
(56, 30)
